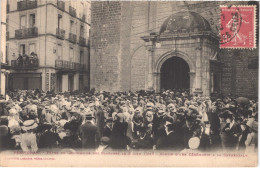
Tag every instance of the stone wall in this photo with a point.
(119, 58)
(105, 46)
(240, 72)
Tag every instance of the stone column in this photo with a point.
(76, 81)
(150, 84)
(198, 86)
(156, 80)
(211, 82)
(192, 82)
(65, 83)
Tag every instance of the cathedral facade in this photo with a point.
(167, 45)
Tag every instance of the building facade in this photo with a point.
(48, 44)
(167, 45)
(4, 69)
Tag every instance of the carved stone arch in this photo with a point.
(170, 54)
(166, 56)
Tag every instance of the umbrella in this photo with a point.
(242, 100)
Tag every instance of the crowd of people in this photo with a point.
(32, 120)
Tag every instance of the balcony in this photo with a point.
(83, 18)
(82, 41)
(72, 11)
(7, 35)
(72, 38)
(5, 66)
(26, 33)
(25, 62)
(26, 4)
(63, 65)
(61, 5)
(60, 33)
(79, 67)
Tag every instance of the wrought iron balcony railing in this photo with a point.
(26, 4)
(72, 38)
(61, 5)
(68, 65)
(7, 35)
(26, 32)
(72, 11)
(82, 41)
(60, 33)
(25, 63)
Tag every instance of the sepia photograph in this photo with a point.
(112, 83)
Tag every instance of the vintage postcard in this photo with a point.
(129, 83)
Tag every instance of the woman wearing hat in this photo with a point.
(28, 137)
(252, 138)
(119, 138)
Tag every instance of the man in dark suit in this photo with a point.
(89, 133)
(108, 128)
(48, 139)
(173, 139)
(231, 133)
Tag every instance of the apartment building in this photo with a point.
(4, 68)
(48, 44)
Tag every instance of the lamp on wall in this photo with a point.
(158, 43)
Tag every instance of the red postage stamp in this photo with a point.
(238, 27)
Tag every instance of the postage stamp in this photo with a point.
(238, 27)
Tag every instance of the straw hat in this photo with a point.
(29, 125)
(194, 143)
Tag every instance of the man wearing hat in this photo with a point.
(171, 113)
(159, 120)
(108, 127)
(190, 129)
(100, 119)
(48, 139)
(137, 121)
(89, 133)
(119, 138)
(230, 133)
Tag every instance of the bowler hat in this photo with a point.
(89, 115)
(109, 119)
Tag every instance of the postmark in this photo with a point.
(237, 27)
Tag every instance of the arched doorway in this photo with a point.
(175, 74)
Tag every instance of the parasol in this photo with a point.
(242, 100)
